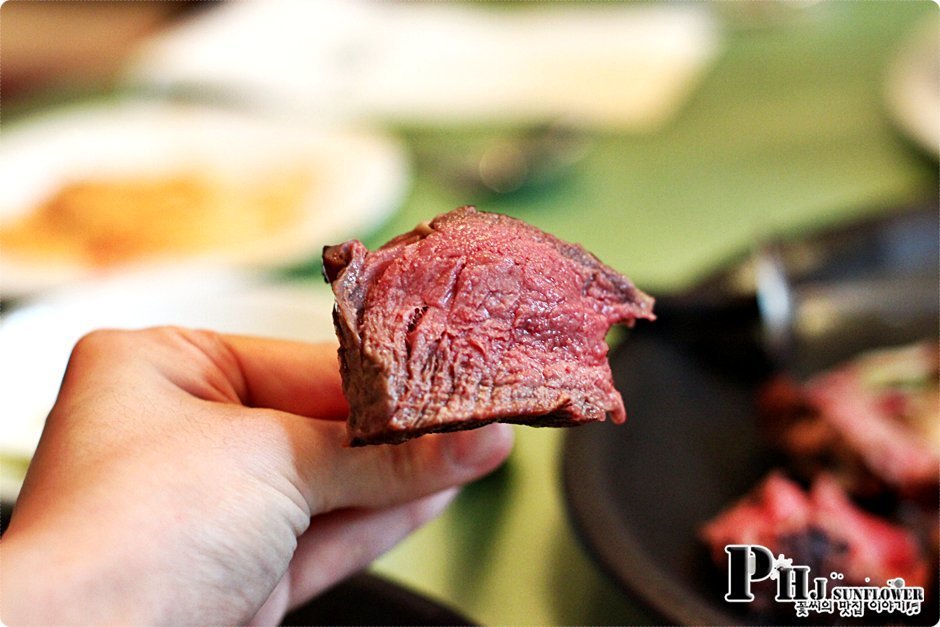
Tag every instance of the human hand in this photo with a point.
(185, 476)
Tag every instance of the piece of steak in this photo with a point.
(822, 529)
(474, 318)
(873, 422)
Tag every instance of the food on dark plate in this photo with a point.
(474, 318)
(874, 422)
(864, 435)
(820, 528)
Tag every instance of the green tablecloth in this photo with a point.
(787, 132)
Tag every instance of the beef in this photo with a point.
(474, 318)
(821, 529)
(874, 422)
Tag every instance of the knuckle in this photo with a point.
(121, 345)
(100, 341)
(176, 335)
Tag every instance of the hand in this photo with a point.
(185, 476)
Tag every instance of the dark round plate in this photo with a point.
(366, 599)
(637, 494)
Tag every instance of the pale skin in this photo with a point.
(189, 477)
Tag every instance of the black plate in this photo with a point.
(367, 599)
(638, 493)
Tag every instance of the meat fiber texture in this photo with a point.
(474, 318)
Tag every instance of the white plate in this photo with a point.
(358, 177)
(913, 87)
(35, 341)
(625, 66)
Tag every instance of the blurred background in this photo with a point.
(185, 162)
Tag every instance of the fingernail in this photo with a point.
(480, 449)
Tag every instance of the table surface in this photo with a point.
(787, 132)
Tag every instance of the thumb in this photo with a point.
(332, 475)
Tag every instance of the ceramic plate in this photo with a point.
(638, 493)
(367, 599)
(913, 87)
(347, 180)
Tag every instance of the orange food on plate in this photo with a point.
(106, 222)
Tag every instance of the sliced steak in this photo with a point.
(821, 529)
(874, 422)
(474, 318)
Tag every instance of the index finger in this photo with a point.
(294, 377)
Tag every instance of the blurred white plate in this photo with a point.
(357, 177)
(627, 66)
(35, 341)
(913, 87)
